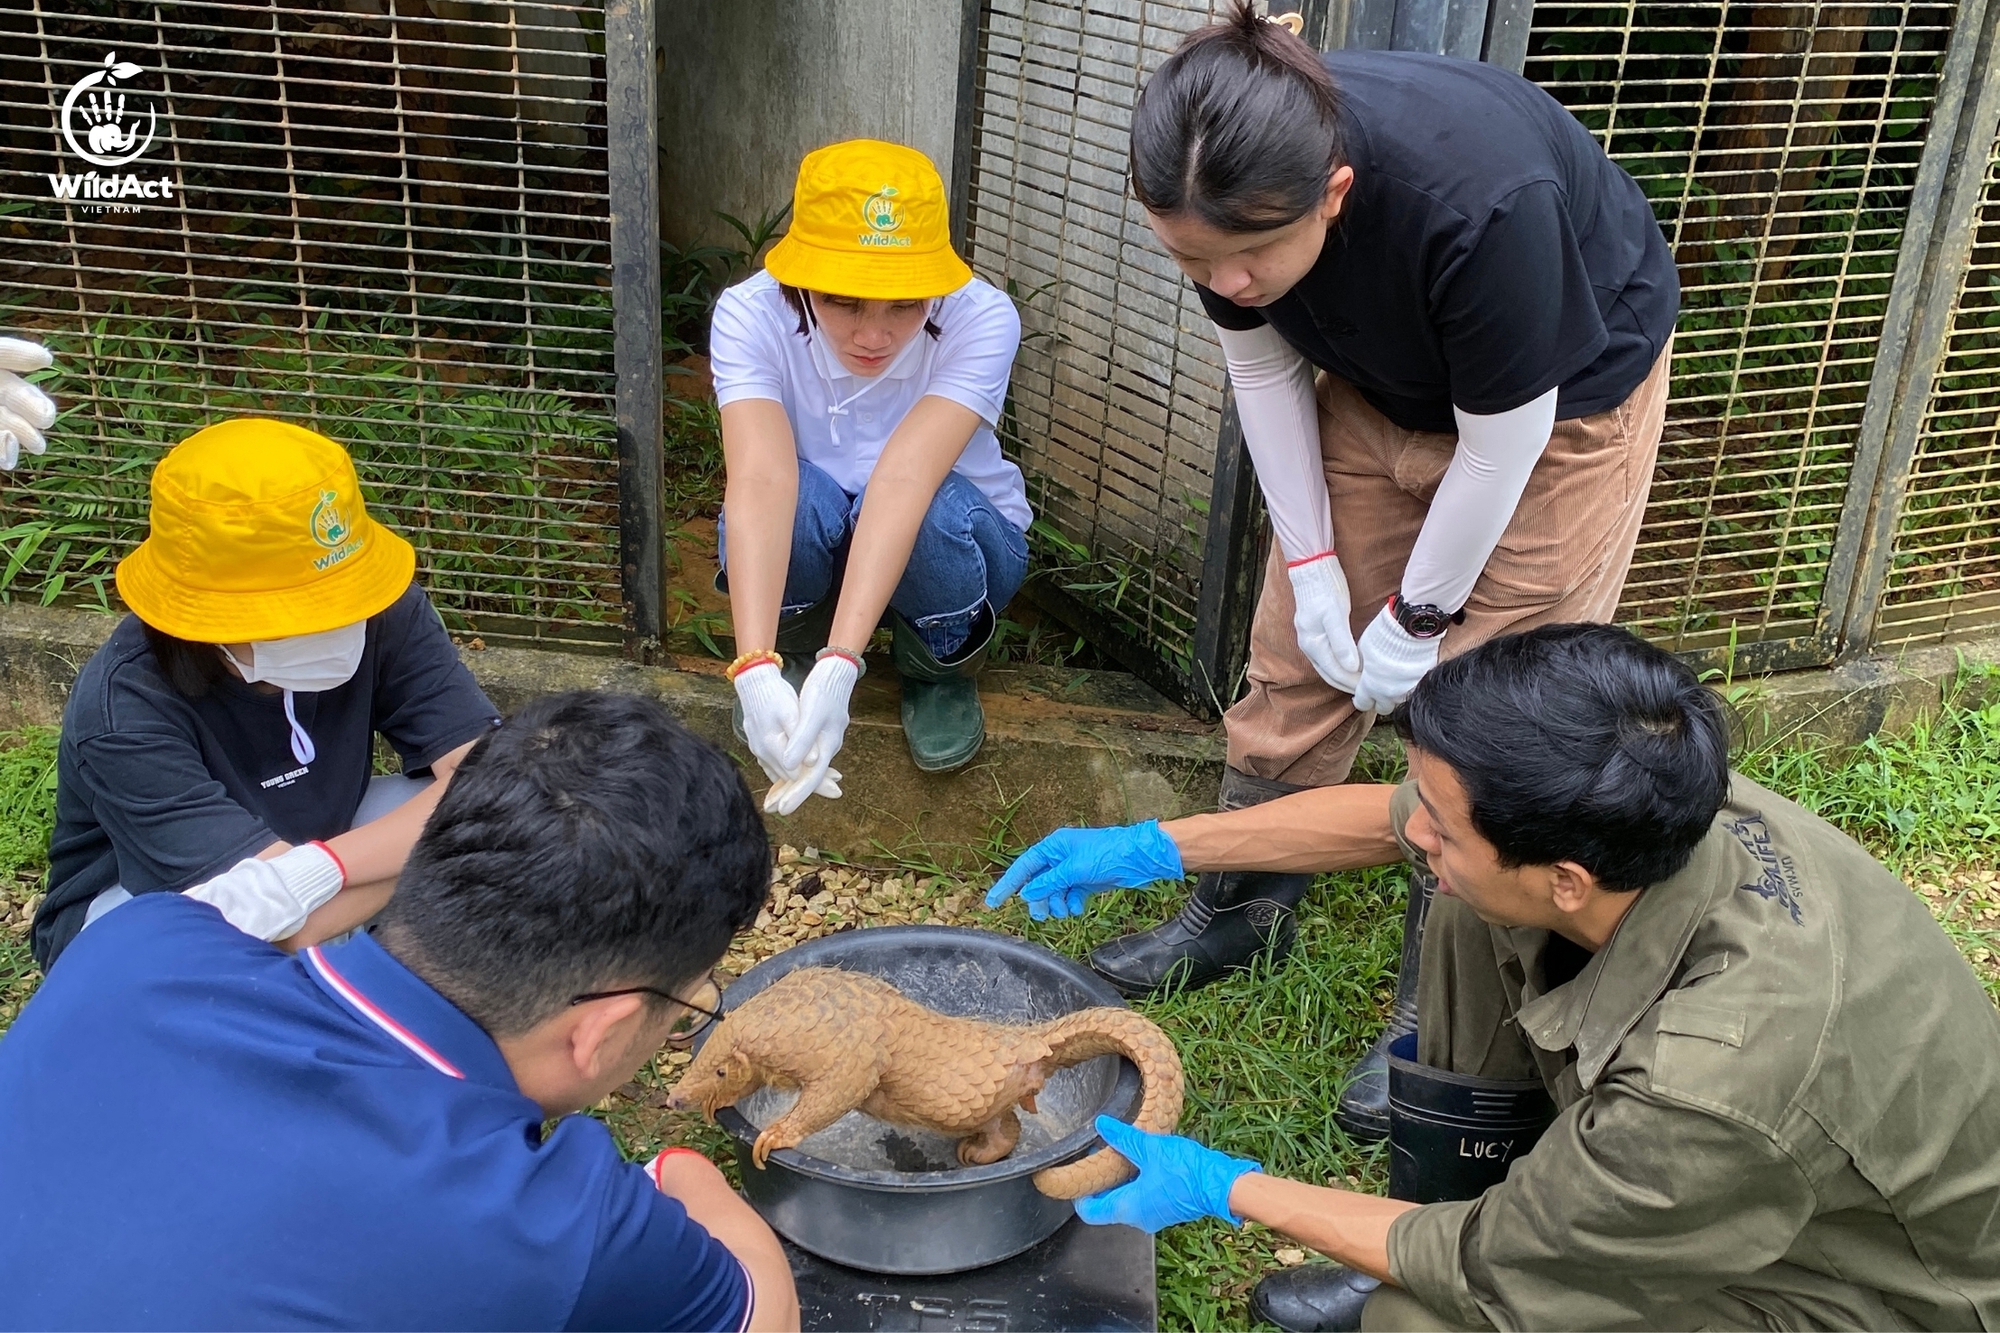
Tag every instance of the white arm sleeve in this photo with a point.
(1274, 401)
(271, 899)
(1476, 500)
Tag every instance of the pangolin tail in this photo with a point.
(1085, 1034)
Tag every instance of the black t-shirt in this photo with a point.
(1488, 252)
(158, 792)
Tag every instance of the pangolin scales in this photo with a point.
(848, 1041)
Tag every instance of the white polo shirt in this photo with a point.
(841, 420)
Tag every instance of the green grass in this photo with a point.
(1264, 1050)
(1931, 794)
(27, 815)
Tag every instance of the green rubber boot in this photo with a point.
(800, 635)
(942, 720)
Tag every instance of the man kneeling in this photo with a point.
(198, 1130)
(1773, 1081)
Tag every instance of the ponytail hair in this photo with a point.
(1240, 128)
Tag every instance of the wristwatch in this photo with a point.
(1422, 620)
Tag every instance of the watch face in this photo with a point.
(1425, 622)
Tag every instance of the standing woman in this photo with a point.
(860, 377)
(1446, 315)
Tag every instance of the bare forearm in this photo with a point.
(760, 502)
(375, 851)
(730, 1220)
(372, 858)
(890, 516)
(1349, 1228)
(1326, 828)
(349, 908)
(914, 463)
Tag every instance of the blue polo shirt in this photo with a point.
(200, 1131)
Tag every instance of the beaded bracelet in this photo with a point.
(747, 660)
(860, 667)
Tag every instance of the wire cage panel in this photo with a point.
(1118, 390)
(1944, 571)
(1779, 145)
(385, 220)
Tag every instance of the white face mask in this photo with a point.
(306, 663)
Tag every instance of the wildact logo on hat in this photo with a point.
(259, 532)
(884, 219)
(903, 250)
(330, 530)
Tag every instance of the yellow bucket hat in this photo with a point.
(259, 532)
(869, 221)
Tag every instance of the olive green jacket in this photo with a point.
(1783, 1086)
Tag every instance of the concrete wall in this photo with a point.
(748, 87)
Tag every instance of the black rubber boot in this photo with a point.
(942, 719)
(1232, 918)
(1364, 1097)
(800, 635)
(1451, 1136)
(1313, 1297)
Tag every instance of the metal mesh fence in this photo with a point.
(1118, 390)
(1944, 572)
(1779, 145)
(384, 219)
(388, 219)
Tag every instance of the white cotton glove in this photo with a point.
(770, 711)
(1393, 660)
(1319, 618)
(25, 411)
(821, 729)
(272, 899)
(770, 714)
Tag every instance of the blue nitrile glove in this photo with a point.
(1179, 1181)
(1055, 875)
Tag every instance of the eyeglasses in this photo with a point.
(682, 1034)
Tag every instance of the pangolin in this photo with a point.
(849, 1041)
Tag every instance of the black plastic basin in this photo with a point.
(893, 1200)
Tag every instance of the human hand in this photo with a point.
(1393, 660)
(1057, 874)
(678, 1172)
(1320, 611)
(821, 728)
(1178, 1181)
(25, 411)
(770, 716)
(770, 713)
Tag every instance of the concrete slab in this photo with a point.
(1062, 746)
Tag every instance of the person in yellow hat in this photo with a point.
(221, 741)
(860, 377)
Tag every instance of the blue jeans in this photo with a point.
(967, 557)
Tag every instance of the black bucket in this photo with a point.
(886, 1199)
(1451, 1135)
